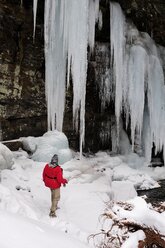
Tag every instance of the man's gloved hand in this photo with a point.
(65, 182)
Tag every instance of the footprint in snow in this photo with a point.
(18, 187)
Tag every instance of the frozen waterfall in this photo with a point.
(138, 77)
(139, 81)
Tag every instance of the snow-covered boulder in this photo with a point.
(139, 178)
(44, 147)
(123, 191)
(29, 144)
(6, 157)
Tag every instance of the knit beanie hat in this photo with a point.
(54, 160)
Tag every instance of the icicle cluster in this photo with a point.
(69, 28)
(139, 80)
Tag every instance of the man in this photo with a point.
(53, 179)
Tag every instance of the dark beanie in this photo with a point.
(54, 160)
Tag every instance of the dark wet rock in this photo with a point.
(13, 145)
(156, 195)
(148, 16)
(22, 89)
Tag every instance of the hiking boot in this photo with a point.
(52, 214)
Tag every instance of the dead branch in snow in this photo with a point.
(120, 228)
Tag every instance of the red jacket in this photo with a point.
(53, 177)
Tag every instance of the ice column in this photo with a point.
(77, 60)
(117, 37)
(34, 16)
(55, 63)
(156, 101)
(1, 137)
(94, 16)
(136, 74)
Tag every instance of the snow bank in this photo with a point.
(140, 179)
(43, 148)
(134, 239)
(92, 183)
(6, 157)
(123, 191)
(22, 232)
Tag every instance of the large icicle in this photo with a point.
(156, 101)
(94, 15)
(136, 74)
(146, 136)
(77, 58)
(117, 37)
(55, 61)
(34, 16)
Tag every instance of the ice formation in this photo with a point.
(94, 16)
(43, 148)
(55, 63)
(69, 27)
(117, 36)
(6, 157)
(1, 137)
(34, 14)
(139, 81)
(138, 76)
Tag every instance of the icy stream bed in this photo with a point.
(154, 195)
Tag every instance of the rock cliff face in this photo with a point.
(22, 100)
(148, 16)
(22, 90)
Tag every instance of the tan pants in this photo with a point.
(55, 197)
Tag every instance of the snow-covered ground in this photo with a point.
(93, 181)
